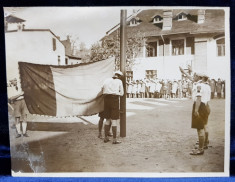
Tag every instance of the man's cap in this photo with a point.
(118, 73)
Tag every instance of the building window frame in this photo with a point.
(157, 19)
(171, 47)
(150, 74)
(155, 49)
(182, 16)
(220, 47)
(134, 21)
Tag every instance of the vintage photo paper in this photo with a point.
(118, 91)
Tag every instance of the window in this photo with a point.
(151, 74)
(177, 47)
(157, 19)
(54, 44)
(66, 61)
(151, 49)
(220, 47)
(129, 75)
(182, 16)
(135, 21)
(190, 48)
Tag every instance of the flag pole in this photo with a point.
(123, 70)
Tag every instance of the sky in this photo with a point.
(88, 24)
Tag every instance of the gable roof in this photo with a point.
(74, 57)
(35, 30)
(14, 19)
(214, 22)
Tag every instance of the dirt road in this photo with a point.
(159, 139)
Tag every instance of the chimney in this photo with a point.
(167, 20)
(19, 27)
(201, 16)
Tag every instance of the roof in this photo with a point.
(35, 30)
(214, 22)
(74, 57)
(14, 19)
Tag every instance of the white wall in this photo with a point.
(13, 26)
(74, 61)
(33, 47)
(217, 65)
(167, 66)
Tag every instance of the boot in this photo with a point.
(200, 150)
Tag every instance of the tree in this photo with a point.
(110, 46)
(83, 52)
(73, 42)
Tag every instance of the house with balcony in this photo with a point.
(177, 37)
(40, 46)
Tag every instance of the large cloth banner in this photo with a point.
(71, 90)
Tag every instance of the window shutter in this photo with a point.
(190, 46)
(54, 44)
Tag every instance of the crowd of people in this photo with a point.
(156, 88)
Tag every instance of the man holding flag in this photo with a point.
(112, 90)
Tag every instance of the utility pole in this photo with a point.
(123, 70)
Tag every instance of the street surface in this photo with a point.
(159, 139)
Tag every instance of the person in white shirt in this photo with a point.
(158, 89)
(134, 89)
(16, 100)
(174, 88)
(142, 90)
(112, 90)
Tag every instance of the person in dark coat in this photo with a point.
(199, 120)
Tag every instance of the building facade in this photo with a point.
(174, 38)
(40, 46)
(70, 57)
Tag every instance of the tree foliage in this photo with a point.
(110, 46)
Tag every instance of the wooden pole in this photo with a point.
(123, 70)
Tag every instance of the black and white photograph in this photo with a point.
(118, 91)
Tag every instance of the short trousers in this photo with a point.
(20, 109)
(111, 107)
(198, 122)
